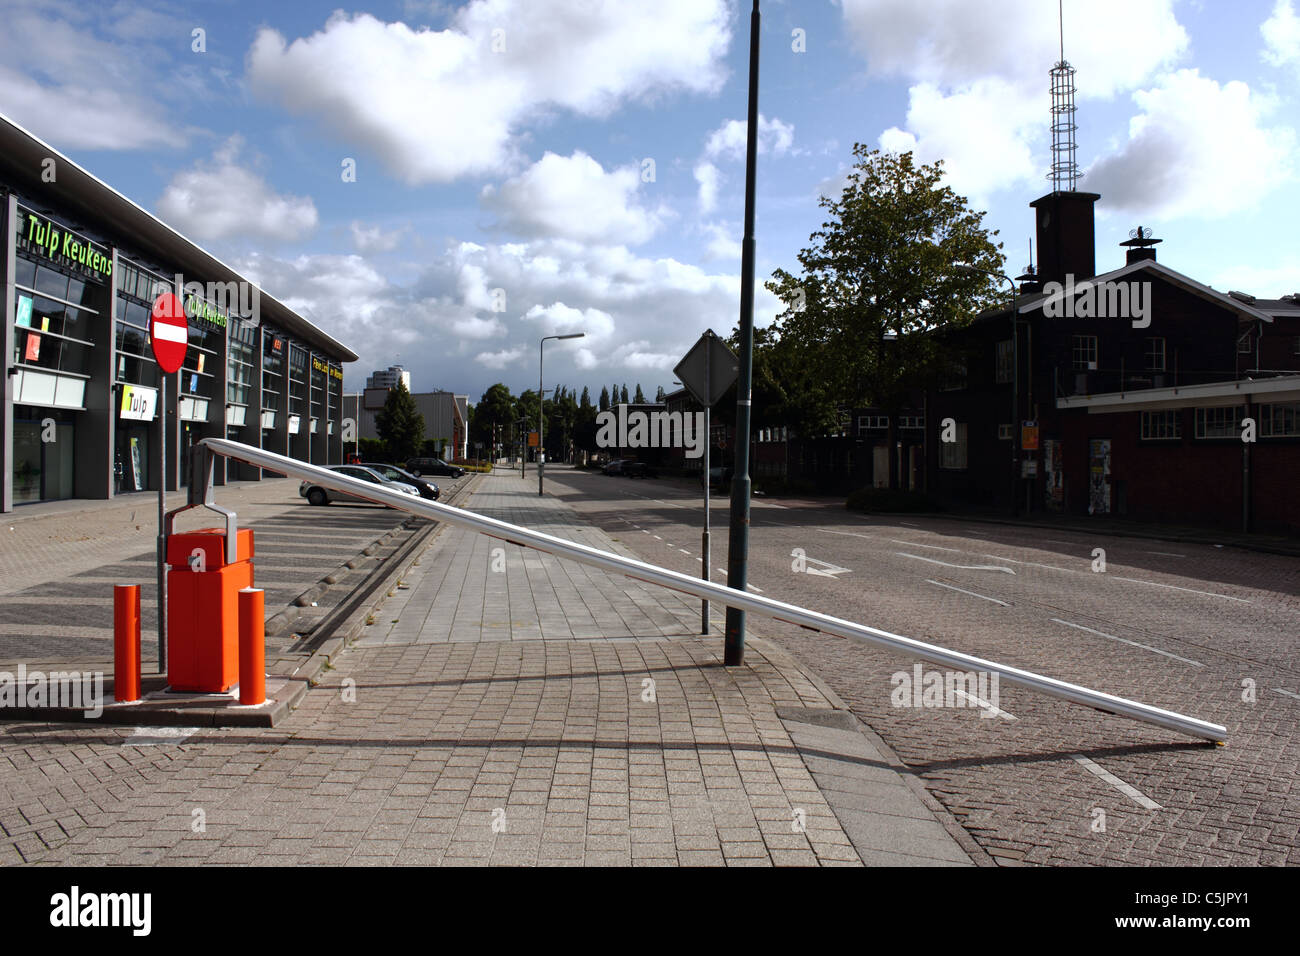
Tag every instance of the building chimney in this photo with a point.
(1140, 245)
(1067, 243)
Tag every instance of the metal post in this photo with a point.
(162, 509)
(738, 549)
(704, 548)
(687, 584)
(541, 404)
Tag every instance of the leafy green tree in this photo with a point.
(639, 397)
(877, 288)
(624, 399)
(400, 424)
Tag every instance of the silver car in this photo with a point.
(319, 495)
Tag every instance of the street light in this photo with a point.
(541, 405)
(1015, 379)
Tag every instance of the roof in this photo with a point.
(21, 156)
(1283, 388)
(1034, 301)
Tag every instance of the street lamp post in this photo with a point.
(1015, 380)
(541, 405)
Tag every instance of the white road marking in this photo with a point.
(658, 538)
(644, 531)
(1287, 693)
(1174, 587)
(917, 544)
(1034, 564)
(909, 524)
(1129, 791)
(964, 591)
(752, 588)
(151, 736)
(1167, 554)
(964, 567)
(1124, 640)
(683, 551)
(984, 705)
(849, 534)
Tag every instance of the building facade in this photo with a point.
(85, 403)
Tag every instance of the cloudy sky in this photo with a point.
(439, 184)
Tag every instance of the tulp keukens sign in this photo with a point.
(64, 246)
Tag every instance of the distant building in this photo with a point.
(389, 377)
(445, 416)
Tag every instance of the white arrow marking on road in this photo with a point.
(964, 567)
(1129, 791)
(827, 570)
(984, 705)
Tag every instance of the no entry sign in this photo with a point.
(169, 332)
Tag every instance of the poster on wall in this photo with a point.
(137, 472)
(24, 311)
(1099, 476)
(1054, 467)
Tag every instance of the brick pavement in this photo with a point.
(543, 714)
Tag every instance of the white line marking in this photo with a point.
(1129, 791)
(752, 588)
(1287, 693)
(1174, 587)
(1124, 640)
(909, 524)
(683, 551)
(1034, 564)
(644, 531)
(1167, 554)
(984, 705)
(658, 538)
(849, 534)
(964, 591)
(917, 544)
(964, 567)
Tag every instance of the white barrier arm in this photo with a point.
(674, 580)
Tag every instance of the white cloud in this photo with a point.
(709, 178)
(1281, 33)
(61, 81)
(500, 359)
(729, 140)
(1196, 149)
(375, 239)
(561, 319)
(223, 199)
(722, 244)
(574, 198)
(978, 74)
(438, 105)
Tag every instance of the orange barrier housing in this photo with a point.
(252, 646)
(126, 642)
(203, 609)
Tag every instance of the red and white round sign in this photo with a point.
(169, 332)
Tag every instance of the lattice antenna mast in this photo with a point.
(1065, 164)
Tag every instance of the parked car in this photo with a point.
(318, 495)
(614, 467)
(639, 469)
(427, 489)
(433, 466)
(718, 477)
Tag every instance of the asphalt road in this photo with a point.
(1205, 631)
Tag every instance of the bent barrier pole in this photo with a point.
(789, 613)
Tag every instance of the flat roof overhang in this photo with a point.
(1284, 388)
(21, 156)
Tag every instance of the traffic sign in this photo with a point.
(169, 332)
(709, 361)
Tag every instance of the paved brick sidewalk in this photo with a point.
(543, 714)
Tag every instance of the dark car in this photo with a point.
(427, 489)
(718, 477)
(639, 469)
(433, 466)
(614, 467)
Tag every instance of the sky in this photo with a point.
(440, 184)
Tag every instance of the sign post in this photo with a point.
(169, 338)
(707, 371)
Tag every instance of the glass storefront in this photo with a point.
(44, 454)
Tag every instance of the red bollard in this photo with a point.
(252, 646)
(126, 642)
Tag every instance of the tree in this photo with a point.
(494, 413)
(879, 285)
(400, 424)
(624, 394)
(604, 399)
(639, 397)
(659, 395)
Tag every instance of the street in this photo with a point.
(1204, 631)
